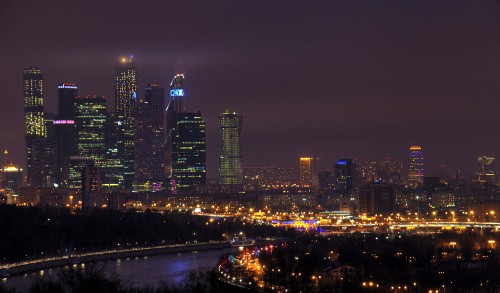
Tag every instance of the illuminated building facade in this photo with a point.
(149, 139)
(486, 169)
(90, 121)
(415, 167)
(35, 128)
(309, 169)
(175, 105)
(112, 171)
(11, 176)
(125, 102)
(344, 174)
(188, 152)
(230, 158)
(65, 130)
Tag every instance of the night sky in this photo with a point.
(365, 79)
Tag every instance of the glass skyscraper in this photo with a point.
(90, 120)
(125, 102)
(175, 105)
(90, 132)
(344, 174)
(65, 130)
(188, 152)
(149, 139)
(230, 158)
(112, 171)
(35, 128)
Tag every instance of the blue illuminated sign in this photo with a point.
(342, 162)
(177, 93)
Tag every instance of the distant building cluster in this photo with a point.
(150, 144)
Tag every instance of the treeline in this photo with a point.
(34, 232)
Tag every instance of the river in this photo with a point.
(141, 271)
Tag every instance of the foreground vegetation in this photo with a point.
(35, 232)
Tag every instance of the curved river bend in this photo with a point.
(141, 271)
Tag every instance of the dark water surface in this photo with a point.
(141, 271)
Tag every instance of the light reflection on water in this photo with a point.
(141, 271)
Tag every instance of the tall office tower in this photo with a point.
(344, 174)
(65, 130)
(309, 169)
(112, 171)
(415, 167)
(230, 158)
(50, 152)
(149, 139)
(35, 130)
(175, 105)
(188, 152)
(376, 198)
(90, 133)
(125, 101)
(90, 121)
(486, 169)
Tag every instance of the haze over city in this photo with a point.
(249, 146)
(365, 79)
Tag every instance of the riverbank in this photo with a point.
(41, 264)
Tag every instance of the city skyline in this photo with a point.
(418, 68)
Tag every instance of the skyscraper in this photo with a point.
(415, 167)
(50, 170)
(125, 101)
(188, 151)
(90, 120)
(149, 139)
(230, 158)
(112, 171)
(90, 133)
(175, 105)
(35, 128)
(344, 174)
(65, 130)
(309, 169)
(486, 169)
